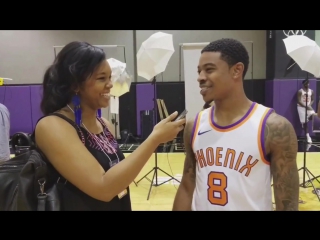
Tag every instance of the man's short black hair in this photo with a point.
(306, 81)
(232, 52)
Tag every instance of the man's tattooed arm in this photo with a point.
(281, 143)
(183, 198)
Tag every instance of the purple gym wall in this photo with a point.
(17, 100)
(36, 96)
(269, 93)
(145, 93)
(281, 94)
(23, 103)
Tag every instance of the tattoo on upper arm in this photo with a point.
(281, 143)
(190, 167)
(190, 161)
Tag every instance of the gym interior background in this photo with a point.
(266, 82)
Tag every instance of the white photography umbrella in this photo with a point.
(120, 78)
(305, 52)
(154, 55)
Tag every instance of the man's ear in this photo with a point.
(238, 69)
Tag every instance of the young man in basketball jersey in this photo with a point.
(305, 95)
(234, 147)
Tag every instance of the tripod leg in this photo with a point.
(145, 176)
(134, 138)
(315, 190)
(314, 178)
(125, 141)
(154, 174)
(304, 183)
(169, 175)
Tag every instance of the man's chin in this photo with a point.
(207, 99)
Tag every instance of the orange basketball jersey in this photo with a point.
(232, 169)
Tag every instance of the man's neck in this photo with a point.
(231, 107)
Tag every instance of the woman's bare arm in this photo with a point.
(59, 141)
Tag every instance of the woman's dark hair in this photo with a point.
(74, 64)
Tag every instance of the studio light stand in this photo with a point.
(115, 123)
(126, 134)
(305, 170)
(156, 168)
(129, 133)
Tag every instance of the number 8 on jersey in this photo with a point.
(217, 185)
